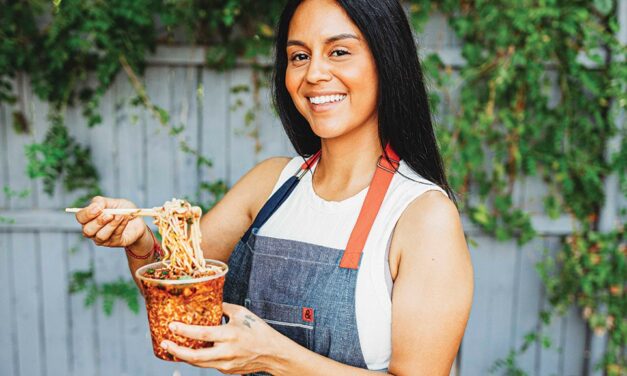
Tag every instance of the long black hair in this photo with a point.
(402, 103)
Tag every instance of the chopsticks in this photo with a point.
(134, 212)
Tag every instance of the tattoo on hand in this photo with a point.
(247, 323)
(250, 318)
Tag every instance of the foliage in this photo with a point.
(543, 83)
(538, 96)
(591, 274)
(60, 157)
(83, 281)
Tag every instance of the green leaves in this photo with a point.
(109, 292)
(539, 97)
(60, 157)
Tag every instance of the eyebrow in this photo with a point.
(332, 39)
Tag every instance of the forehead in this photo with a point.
(320, 19)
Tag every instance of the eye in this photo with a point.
(298, 57)
(339, 53)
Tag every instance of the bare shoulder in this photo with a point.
(258, 182)
(269, 169)
(431, 211)
(430, 228)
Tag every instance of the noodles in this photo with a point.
(179, 226)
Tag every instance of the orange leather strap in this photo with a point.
(369, 210)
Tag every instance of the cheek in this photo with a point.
(363, 84)
(292, 82)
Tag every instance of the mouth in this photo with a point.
(325, 102)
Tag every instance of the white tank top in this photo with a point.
(306, 217)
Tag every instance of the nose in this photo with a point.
(318, 71)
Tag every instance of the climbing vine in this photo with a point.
(543, 84)
(539, 92)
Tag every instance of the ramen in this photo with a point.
(183, 286)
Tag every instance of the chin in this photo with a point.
(329, 129)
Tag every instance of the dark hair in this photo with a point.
(402, 104)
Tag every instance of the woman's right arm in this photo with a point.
(221, 227)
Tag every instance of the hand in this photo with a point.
(245, 344)
(110, 230)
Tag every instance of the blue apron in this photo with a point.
(303, 290)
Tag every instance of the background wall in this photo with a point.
(45, 330)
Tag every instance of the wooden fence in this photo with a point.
(44, 330)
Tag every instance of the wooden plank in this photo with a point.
(8, 341)
(241, 146)
(178, 55)
(535, 190)
(527, 308)
(550, 357)
(4, 156)
(28, 309)
(573, 343)
(598, 345)
(274, 141)
(132, 150)
(103, 144)
(55, 303)
(488, 334)
(37, 111)
(131, 185)
(109, 264)
(184, 56)
(159, 164)
(214, 116)
(77, 125)
(136, 337)
(84, 340)
(16, 170)
(184, 109)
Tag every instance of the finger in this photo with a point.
(91, 228)
(219, 333)
(106, 231)
(230, 310)
(91, 211)
(117, 233)
(204, 356)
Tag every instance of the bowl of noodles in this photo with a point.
(183, 286)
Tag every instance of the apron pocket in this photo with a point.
(293, 322)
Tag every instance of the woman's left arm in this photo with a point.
(433, 287)
(431, 301)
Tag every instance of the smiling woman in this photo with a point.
(349, 258)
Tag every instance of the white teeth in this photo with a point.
(327, 99)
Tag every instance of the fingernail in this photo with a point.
(164, 345)
(95, 209)
(107, 217)
(172, 326)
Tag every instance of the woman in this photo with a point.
(359, 266)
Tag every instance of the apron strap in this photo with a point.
(281, 194)
(369, 210)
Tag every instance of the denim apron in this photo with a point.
(303, 290)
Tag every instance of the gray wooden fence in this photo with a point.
(44, 330)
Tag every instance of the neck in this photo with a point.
(346, 166)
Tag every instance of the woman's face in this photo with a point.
(331, 74)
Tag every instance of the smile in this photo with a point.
(325, 103)
(327, 99)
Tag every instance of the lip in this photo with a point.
(326, 106)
